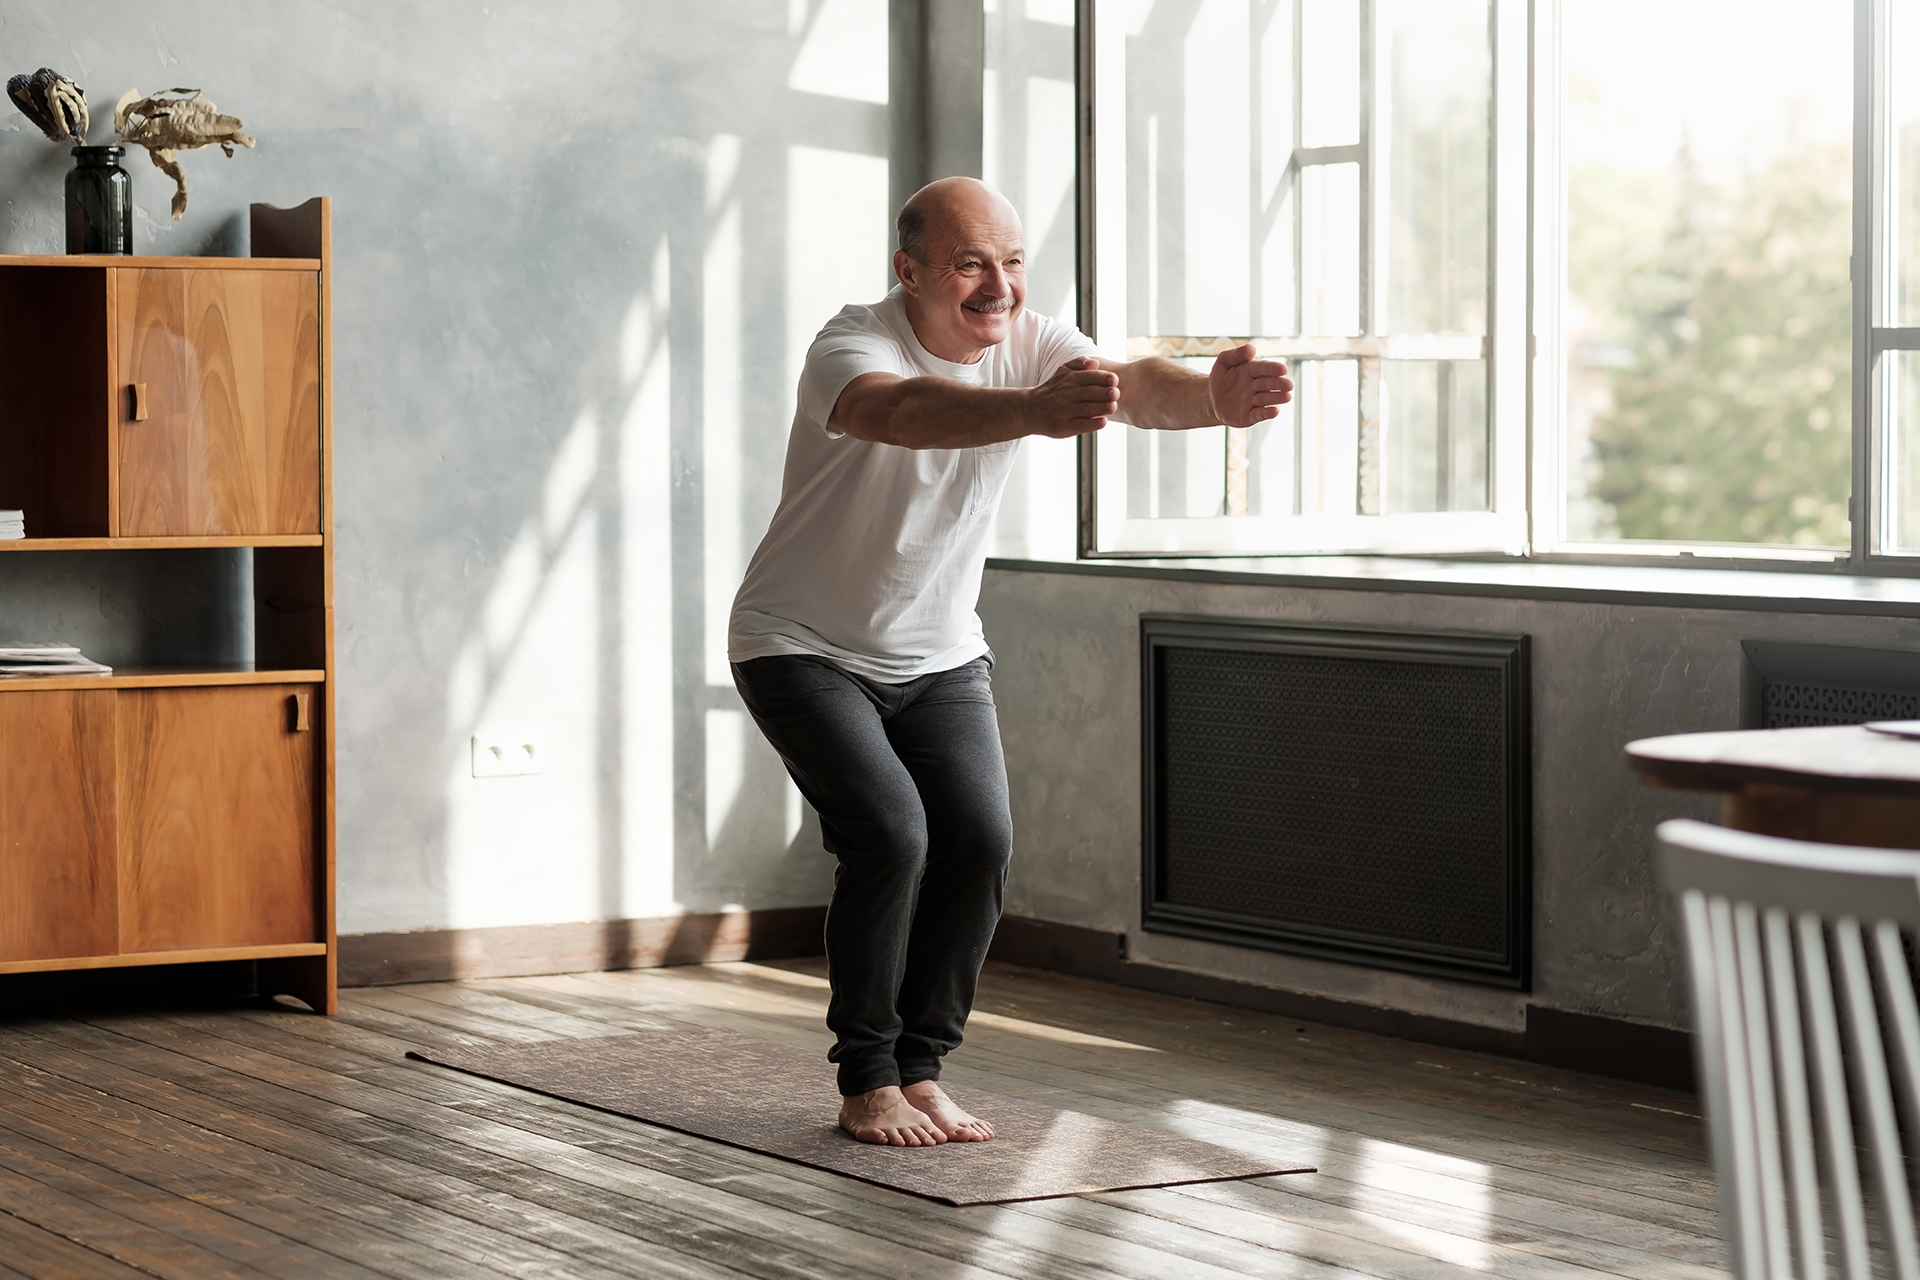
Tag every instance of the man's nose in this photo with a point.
(994, 282)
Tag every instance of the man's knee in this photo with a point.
(995, 840)
(981, 839)
(883, 844)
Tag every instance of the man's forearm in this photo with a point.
(940, 413)
(1160, 395)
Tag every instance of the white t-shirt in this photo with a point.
(874, 556)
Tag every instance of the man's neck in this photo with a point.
(960, 354)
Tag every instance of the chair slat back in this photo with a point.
(1801, 1025)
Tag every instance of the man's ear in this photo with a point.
(906, 270)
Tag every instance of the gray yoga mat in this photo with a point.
(771, 1098)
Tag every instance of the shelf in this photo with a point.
(159, 544)
(271, 951)
(135, 260)
(163, 678)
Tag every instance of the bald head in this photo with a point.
(963, 266)
(943, 204)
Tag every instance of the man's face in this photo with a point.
(974, 281)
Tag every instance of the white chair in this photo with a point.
(1784, 1041)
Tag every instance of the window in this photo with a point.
(1027, 151)
(1549, 286)
(1894, 246)
(1323, 177)
(1696, 308)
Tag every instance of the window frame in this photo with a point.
(1526, 210)
(1501, 529)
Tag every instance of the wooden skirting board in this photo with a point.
(440, 955)
(1616, 1047)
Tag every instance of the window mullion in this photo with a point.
(1867, 508)
(1369, 483)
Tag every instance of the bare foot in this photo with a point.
(946, 1114)
(885, 1117)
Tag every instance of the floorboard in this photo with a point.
(268, 1144)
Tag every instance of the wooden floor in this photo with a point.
(269, 1142)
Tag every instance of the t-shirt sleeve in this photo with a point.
(1054, 344)
(843, 351)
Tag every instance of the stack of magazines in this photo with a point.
(47, 659)
(13, 524)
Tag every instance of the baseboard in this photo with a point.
(441, 955)
(1618, 1047)
(1613, 1047)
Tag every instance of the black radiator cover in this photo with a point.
(1361, 796)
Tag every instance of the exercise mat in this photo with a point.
(771, 1098)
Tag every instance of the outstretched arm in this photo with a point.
(1160, 395)
(940, 413)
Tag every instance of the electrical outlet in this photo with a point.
(503, 754)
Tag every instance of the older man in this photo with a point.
(854, 639)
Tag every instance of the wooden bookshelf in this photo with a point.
(96, 260)
(164, 678)
(162, 544)
(126, 960)
(176, 815)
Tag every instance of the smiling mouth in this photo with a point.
(989, 306)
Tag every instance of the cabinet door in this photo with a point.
(57, 895)
(216, 817)
(218, 427)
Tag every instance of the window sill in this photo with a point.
(1751, 590)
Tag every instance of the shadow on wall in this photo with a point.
(579, 252)
(603, 629)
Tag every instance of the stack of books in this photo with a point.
(13, 524)
(47, 659)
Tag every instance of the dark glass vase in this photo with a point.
(99, 202)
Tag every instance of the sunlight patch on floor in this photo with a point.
(978, 1018)
(1254, 1132)
(1044, 1031)
(1439, 1204)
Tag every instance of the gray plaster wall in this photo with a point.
(1067, 684)
(578, 248)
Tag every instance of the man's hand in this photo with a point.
(1244, 391)
(1078, 398)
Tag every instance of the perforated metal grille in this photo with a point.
(1367, 796)
(1789, 704)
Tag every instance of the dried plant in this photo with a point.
(55, 103)
(167, 126)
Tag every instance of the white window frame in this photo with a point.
(1875, 228)
(1106, 529)
(1525, 363)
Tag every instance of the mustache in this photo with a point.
(989, 306)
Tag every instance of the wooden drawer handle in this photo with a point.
(137, 395)
(299, 712)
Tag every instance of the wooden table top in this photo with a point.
(1825, 758)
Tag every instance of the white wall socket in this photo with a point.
(502, 753)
